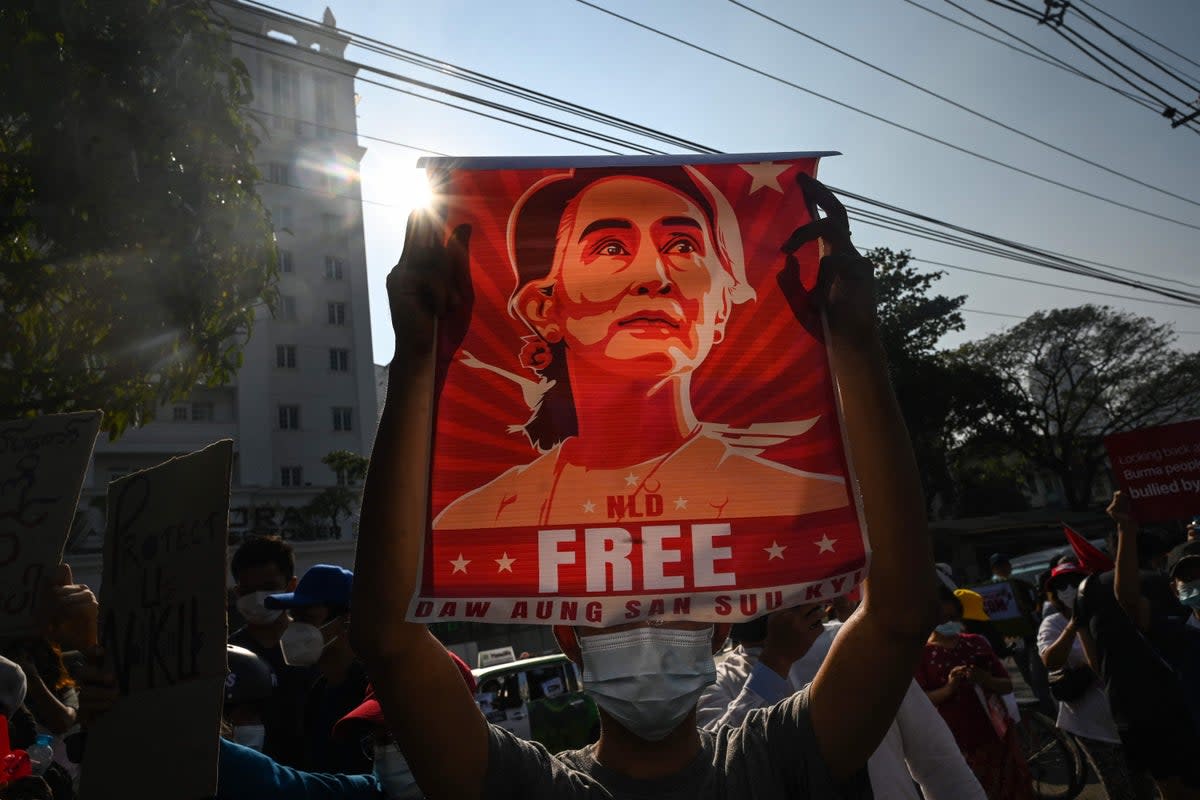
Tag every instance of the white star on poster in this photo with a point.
(765, 175)
(589, 507)
(505, 563)
(680, 503)
(631, 479)
(825, 544)
(460, 564)
(775, 551)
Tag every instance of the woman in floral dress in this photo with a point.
(966, 681)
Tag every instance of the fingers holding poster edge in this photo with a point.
(430, 281)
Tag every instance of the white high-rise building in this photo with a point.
(307, 386)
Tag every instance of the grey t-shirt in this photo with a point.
(773, 754)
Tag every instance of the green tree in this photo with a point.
(336, 502)
(1070, 377)
(135, 249)
(348, 466)
(936, 391)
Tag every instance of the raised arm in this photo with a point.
(431, 713)
(856, 693)
(1127, 578)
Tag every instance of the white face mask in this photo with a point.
(251, 607)
(394, 776)
(251, 736)
(1067, 597)
(303, 643)
(648, 679)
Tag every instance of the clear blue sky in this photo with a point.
(577, 53)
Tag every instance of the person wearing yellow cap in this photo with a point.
(966, 681)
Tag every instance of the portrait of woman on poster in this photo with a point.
(626, 283)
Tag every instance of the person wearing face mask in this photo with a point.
(1133, 632)
(918, 750)
(776, 641)
(646, 677)
(261, 566)
(242, 770)
(1083, 710)
(965, 680)
(317, 635)
(1183, 567)
(366, 725)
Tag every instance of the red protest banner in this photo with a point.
(635, 422)
(1160, 469)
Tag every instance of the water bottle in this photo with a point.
(41, 753)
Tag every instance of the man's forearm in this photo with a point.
(392, 521)
(1126, 577)
(899, 595)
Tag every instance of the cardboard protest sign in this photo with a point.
(1159, 468)
(43, 461)
(635, 422)
(163, 628)
(1003, 608)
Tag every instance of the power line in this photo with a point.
(360, 135)
(1139, 33)
(1163, 67)
(1037, 53)
(1011, 129)
(886, 121)
(1045, 283)
(1082, 43)
(1065, 263)
(381, 47)
(477, 112)
(995, 245)
(1018, 316)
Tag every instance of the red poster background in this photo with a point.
(1159, 468)
(767, 368)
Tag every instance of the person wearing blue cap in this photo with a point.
(318, 634)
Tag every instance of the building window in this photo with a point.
(289, 418)
(281, 217)
(323, 107)
(329, 224)
(287, 307)
(202, 412)
(291, 476)
(337, 313)
(285, 356)
(179, 414)
(285, 260)
(333, 268)
(278, 173)
(285, 96)
(342, 418)
(339, 359)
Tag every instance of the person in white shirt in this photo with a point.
(918, 748)
(1083, 710)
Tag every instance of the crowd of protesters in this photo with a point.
(901, 693)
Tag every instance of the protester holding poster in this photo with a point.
(620, 432)
(966, 681)
(1146, 656)
(815, 743)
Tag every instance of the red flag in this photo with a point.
(1090, 558)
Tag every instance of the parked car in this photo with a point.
(540, 699)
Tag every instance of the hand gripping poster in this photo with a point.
(638, 421)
